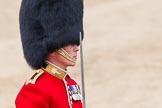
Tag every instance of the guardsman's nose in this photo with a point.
(76, 48)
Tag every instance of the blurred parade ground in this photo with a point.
(122, 54)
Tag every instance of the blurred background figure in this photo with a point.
(122, 53)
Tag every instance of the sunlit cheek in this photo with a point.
(69, 63)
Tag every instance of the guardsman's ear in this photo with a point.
(53, 54)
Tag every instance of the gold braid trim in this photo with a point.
(66, 55)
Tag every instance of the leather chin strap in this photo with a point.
(66, 55)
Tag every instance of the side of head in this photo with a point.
(48, 25)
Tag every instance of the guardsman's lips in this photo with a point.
(75, 57)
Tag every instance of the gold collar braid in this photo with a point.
(55, 70)
(66, 55)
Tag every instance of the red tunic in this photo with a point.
(47, 91)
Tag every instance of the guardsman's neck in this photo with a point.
(57, 66)
(55, 62)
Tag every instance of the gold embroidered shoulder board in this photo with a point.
(34, 76)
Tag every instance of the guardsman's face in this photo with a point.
(61, 61)
(72, 50)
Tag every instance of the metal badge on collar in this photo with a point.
(54, 71)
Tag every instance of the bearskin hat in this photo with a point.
(47, 25)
